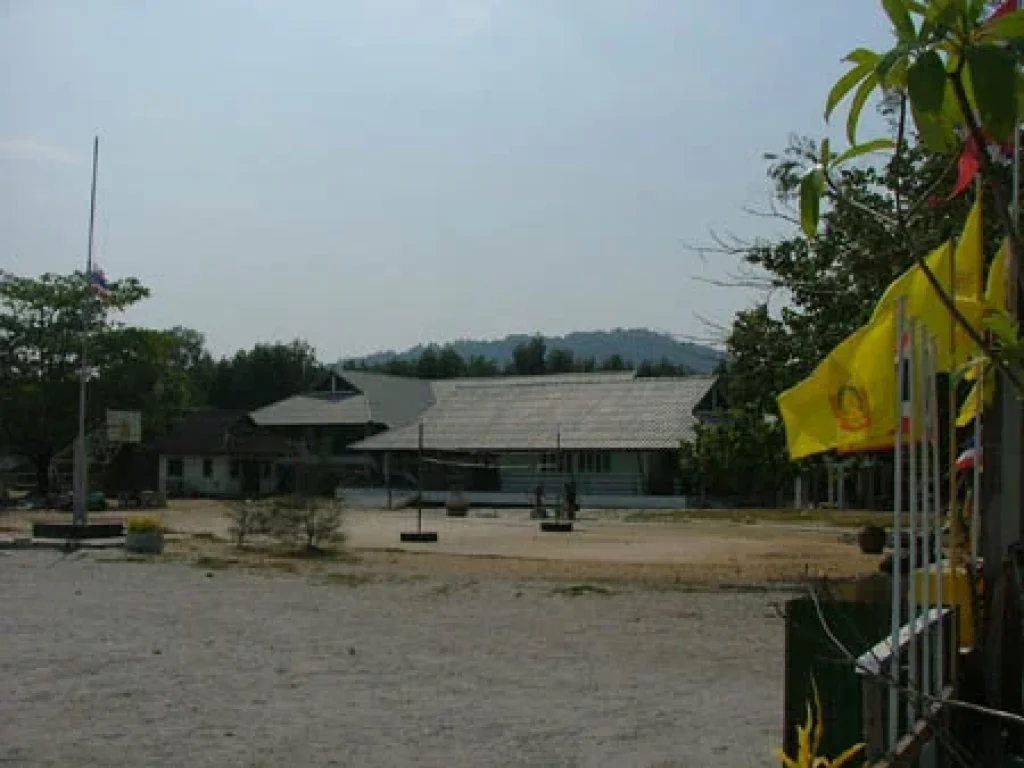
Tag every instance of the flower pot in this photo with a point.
(146, 543)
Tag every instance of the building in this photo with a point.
(611, 433)
(348, 407)
(220, 453)
(614, 435)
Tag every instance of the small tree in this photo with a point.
(307, 520)
(247, 519)
(306, 516)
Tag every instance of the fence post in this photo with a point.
(872, 701)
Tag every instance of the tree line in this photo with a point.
(531, 358)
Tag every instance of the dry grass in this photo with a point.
(824, 517)
(780, 568)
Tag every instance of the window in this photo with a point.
(175, 468)
(593, 462)
(207, 468)
(234, 468)
(565, 463)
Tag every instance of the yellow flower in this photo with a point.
(809, 737)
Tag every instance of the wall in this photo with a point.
(219, 483)
(626, 475)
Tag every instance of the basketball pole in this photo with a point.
(81, 473)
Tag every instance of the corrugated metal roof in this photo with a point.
(316, 409)
(388, 400)
(577, 411)
(392, 400)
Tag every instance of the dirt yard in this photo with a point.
(120, 663)
(603, 546)
(610, 646)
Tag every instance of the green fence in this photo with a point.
(809, 651)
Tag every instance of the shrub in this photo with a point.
(144, 524)
(306, 519)
(248, 518)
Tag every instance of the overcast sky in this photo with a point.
(370, 174)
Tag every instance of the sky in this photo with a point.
(373, 174)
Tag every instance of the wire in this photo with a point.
(957, 750)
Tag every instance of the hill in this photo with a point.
(633, 344)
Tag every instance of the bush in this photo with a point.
(144, 524)
(307, 520)
(248, 518)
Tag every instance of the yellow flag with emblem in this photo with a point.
(849, 399)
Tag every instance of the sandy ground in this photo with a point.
(603, 546)
(498, 645)
(108, 663)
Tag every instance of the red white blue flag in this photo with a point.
(967, 456)
(98, 282)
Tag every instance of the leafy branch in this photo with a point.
(956, 69)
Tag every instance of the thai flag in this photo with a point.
(98, 281)
(967, 456)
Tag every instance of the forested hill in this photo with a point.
(632, 345)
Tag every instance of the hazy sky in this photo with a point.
(371, 174)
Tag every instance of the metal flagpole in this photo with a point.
(897, 565)
(937, 508)
(81, 470)
(954, 517)
(912, 522)
(923, 575)
(419, 481)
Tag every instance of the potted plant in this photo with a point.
(145, 535)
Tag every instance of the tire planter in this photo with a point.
(418, 537)
(871, 539)
(556, 526)
(456, 506)
(148, 543)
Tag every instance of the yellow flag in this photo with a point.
(983, 390)
(995, 299)
(967, 266)
(995, 285)
(849, 399)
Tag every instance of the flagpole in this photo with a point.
(897, 555)
(912, 521)
(954, 519)
(81, 471)
(924, 573)
(934, 433)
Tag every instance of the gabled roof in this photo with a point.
(352, 398)
(219, 433)
(536, 413)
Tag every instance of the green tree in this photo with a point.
(428, 366)
(561, 361)
(265, 374)
(42, 321)
(615, 363)
(742, 459)
(481, 367)
(529, 359)
(450, 363)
